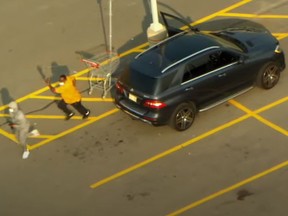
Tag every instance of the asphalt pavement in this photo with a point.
(232, 161)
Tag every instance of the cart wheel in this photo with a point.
(90, 92)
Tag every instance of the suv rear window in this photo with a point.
(146, 84)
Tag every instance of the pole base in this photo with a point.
(157, 36)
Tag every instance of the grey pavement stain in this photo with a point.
(91, 146)
(132, 196)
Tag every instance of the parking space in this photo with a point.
(167, 165)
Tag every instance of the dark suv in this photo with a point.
(193, 71)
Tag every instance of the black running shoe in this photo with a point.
(69, 116)
(86, 115)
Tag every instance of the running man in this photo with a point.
(70, 96)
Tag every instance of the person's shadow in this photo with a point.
(6, 99)
(5, 96)
(56, 71)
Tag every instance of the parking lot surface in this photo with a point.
(232, 161)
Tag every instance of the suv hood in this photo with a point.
(252, 39)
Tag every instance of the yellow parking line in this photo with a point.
(64, 133)
(229, 189)
(135, 49)
(50, 117)
(280, 36)
(271, 105)
(271, 16)
(258, 117)
(94, 99)
(169, 151)
(26, 97)
(44, 97)
(8, 135)
(232, 7)
(89, 79)
(139, 50)
(98, 99)
(42, 136)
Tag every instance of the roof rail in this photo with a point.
(187, 57)
(163, 41)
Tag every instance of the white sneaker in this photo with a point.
(25, 154)
(34, 133)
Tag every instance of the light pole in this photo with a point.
(156, 31)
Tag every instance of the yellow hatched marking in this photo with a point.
(258, 117)
(169, 151)
(200, 137)
(87, 122)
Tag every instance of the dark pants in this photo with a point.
(78, 106)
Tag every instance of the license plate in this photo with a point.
(133, 97)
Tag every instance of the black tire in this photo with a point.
(268, 76)
(183, 116)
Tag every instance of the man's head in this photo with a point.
(62, 79)
(13, 106)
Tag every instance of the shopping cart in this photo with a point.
(101, 67)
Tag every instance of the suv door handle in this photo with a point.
(189, 88)
(222, 75)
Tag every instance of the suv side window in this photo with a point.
(195, 68)
(221, 58)
(207, 63)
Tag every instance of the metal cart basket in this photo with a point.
(101, 68)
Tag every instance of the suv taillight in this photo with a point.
(119, 87)
(154, 104)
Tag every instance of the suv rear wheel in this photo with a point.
(183, 116)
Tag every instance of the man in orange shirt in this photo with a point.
(70, 95)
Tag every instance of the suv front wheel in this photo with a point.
(183, 116)
(268, 76)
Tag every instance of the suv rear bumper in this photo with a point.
(140, 113)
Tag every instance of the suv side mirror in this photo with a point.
(241, 60)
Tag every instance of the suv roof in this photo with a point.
(157, 59)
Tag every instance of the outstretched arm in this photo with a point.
(48, 82)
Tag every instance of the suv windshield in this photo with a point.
(229, 42)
